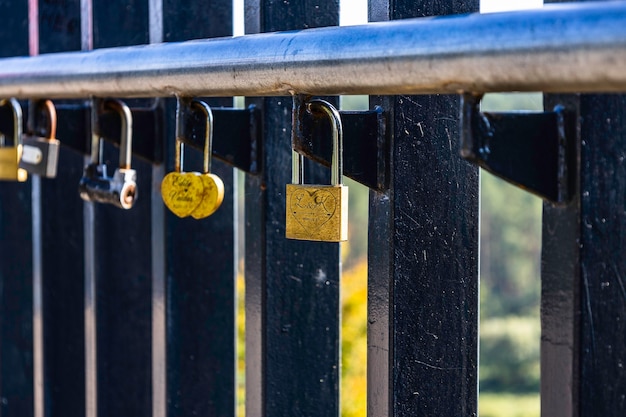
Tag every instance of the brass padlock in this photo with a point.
(192, 193)
(119, 190)
(10, 155)
(213, 193)
(319, 212)
(40, 154)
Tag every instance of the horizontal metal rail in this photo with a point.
(561, 48)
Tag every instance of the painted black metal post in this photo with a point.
(16, 243)
(119, 265)
(583, 313)
(423, 255)
(60, 222)
(292, 287)
(602, 266)
(200, 256)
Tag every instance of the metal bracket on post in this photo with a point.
(236, 136)
(533, 150)
(237, 132)
(148, 132)
(365, 143)
(74, 121)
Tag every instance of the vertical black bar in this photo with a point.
(122, 262)
(200, 257)
(16, 272)
(560, 294)
(423, 254)
(583, 312)
(603, 265)
(62, 264)
(583, 308)
(292, 300)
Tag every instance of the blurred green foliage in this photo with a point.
(510, 287)
(510, 246)
(509, 355)
(509, 405)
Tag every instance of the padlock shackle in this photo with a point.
(336, 162)
(126, 135)
(181, 105)
(208, 133)
(184, 107)
(297, 168)
(31, 124)
(17, 118)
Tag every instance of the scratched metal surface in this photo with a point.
(603, 264)
(582, 305)
(292, 300)
(423, 255)
(583, 313)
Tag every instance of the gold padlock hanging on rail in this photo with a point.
(10, 155)
(319, 212)
(213, 194)
(192, 193)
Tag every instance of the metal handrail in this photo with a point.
(560, 48)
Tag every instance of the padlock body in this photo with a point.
(119, 190)
(40, 155)
(9, 164)
(317, 212)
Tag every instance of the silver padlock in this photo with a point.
(121, 189)
(40, 154)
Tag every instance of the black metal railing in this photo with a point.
(109, 312)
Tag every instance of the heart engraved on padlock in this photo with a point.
(212, 196)
(319, 212)
(314, 207)
(182, 192)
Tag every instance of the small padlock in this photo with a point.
(10, 155)
(40, 155)
(319, 212)
(191, 193)
(213, 193)
(121, 189)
